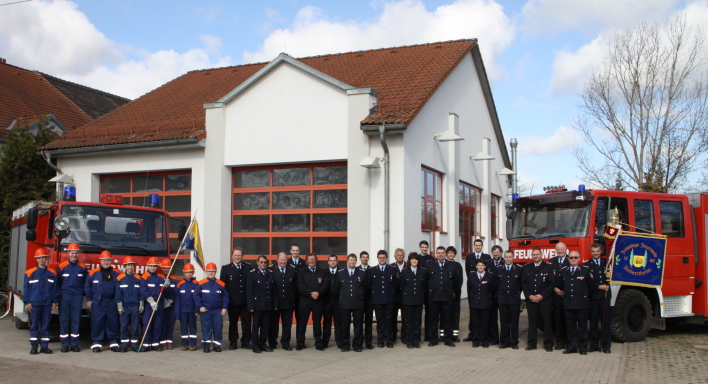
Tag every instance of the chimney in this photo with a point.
(3, 60)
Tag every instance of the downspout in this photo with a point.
(60, 185)
(514, 178)
(382, 138)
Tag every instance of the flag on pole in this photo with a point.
(193, 243)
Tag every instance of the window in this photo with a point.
(494, 215)
(174, 189)
(671, 213)
(431, 200)
(468, 197)
(274, 207)
(644, 215)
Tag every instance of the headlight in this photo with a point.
(61, 223)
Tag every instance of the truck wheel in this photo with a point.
(21, 324)
(631, 316)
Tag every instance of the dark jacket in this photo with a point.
(442, 282)
(413, 286)
(538, 280)
(71, 278)
(471, 261)
(286, 286)
(308, 282)
(424, 259)
(367, 292)
(128, 289)
(508, 285)
(261, 291)
(235, 280)
(599, 278)
(40, 287)
(577, 287)
(331, 296)
(211, 294)
(493, 267)
(383, 285)
(480, 293)
(350, 290)
(460, 273)
(301, 263)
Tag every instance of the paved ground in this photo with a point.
(438, 364)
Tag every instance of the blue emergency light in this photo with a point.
(514, 196)
(154, 201)
(69, 193)
(581, 188)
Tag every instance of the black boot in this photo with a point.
(45, 350)
(33, 350)
(207, 348)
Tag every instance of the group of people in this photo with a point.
(561, 293)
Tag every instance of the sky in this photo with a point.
(537, 53)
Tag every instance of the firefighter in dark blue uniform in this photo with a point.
(349, 288)
(311, 285)
(425, 257)
(368, 307)
(168, 314)
(235, 275)
(509, 301)
(286, 289)
(151, 283)
(492, 264)
(212, 299)
(129, 306)
(537, 283)
(450, 254)
(599, 303)
(382, 281)
(71, 276)
(576, 285)
(442, 281)
(412, 285)
(399, 265)
(186, 308)
(262, 301)
(559, 328)
(330, 306)
(480, 294)
(40, 297)
(471, 267)
(100, 289)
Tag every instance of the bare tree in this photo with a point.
(644, 110)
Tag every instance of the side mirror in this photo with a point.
(511, 214)
(31, 235)
(181, 232)
(32, 218)
(509, 228)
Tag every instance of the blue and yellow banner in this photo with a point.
(193, 243)
(639, 259)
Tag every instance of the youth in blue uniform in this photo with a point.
(40, 290)
(71, 277)
(151, 283)
(212, 299)
(186, 309)
(168, 314)
(129, 306)
(100, 289)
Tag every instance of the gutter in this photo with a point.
(150, 146)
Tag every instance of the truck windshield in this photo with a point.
(556, 220)
(119, 230)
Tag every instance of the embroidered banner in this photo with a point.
(638, 260)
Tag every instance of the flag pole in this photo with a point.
(608, 268)
(162, 289)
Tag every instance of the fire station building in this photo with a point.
(338, 153)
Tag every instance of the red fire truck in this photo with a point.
(139, 232)
(578, 219)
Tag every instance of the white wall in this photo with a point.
(287, 116)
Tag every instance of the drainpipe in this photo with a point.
(60, 185)
(382, 138)
(514, 178)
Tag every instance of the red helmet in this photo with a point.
(41, 252)
(128, 260)
(105, 255)
(153, 261)
(211, 267)
(188, 268)
(165, 263)
(73, 247)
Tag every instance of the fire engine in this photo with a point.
(123, 230)
(578, 219)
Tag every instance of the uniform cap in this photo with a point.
(188, 268)
(105, 255)
(128, 260)
(153, 261)
(73, 247)
(166, 263)
(41, 252)
(211, 267)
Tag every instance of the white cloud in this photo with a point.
(572, 69)
(56, 38)
(563, 139)
(561, 15)
(402, 22)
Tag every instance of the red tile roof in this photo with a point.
(25, 93)
(404, 77)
